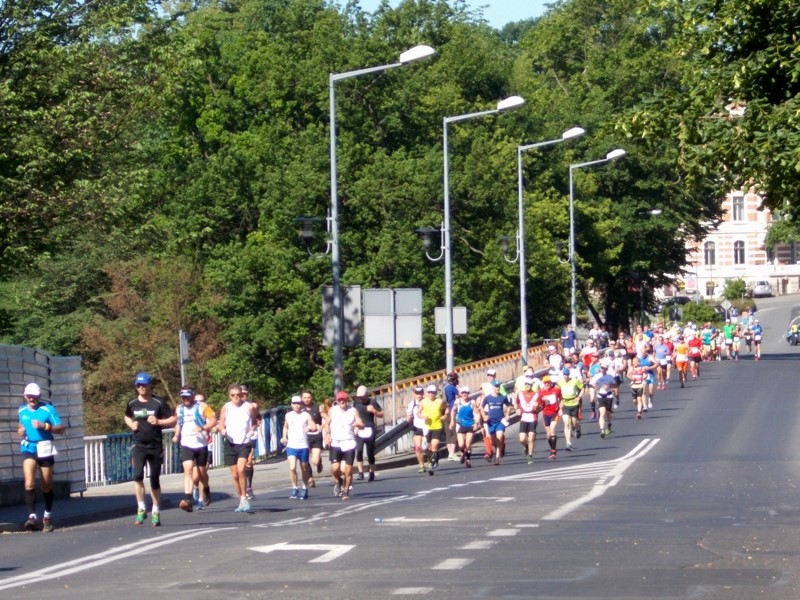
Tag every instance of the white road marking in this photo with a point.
(412, 591)
(332, 551)
(478, 545)
(610, 480)
(407, 520)
(524, 525)
(101, 558)
(494, 498)
(452, 564)
(503, 533)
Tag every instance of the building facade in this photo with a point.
(737, 250)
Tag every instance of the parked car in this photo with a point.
(759, 289)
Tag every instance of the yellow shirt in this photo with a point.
(431, 409)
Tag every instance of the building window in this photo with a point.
(738, 253)
(738, 208)
(710, 252)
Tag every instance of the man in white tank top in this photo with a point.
(237, 423)
(296, 427)
(340, 434)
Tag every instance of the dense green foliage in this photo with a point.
(153, 163)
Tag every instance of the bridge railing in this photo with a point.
(107, 457)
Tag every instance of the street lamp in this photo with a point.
(509, 103)
(523, 314)
(573, 274)
(410, 56)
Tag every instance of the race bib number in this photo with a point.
(736, 339)
(45, 449)
(728, 341)
(757, 338)
(347, 445)
(365, 433)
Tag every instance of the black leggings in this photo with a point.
(141, 455)
(369, 445)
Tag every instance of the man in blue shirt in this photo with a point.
(494, 411)
(450, 395)
(37, 424)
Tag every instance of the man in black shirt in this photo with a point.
(147, 415)
(367, 408)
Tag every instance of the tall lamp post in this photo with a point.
(573, 273)
(410, 56)
(509, 103)
(523, 313)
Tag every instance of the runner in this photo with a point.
(417, 422)
(662, 357)
(727, 332)
(529, 407)
(571, 390)
(37, 424)
(681, 360)
(238, 420)
(605, 399)
(340, 434)
(758, 334)
(249, 467)
(194, 422)
(314, 437)
(550, 396)
(434, 410)
(368, 409)
(636, 377)
(297, 424)
(462, 418)
(695, 345)
(147, 415)
(495, 412)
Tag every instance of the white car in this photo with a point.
(759, 289)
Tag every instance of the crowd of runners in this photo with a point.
(581, 386)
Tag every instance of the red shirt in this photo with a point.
(695, 345)
(551, 399)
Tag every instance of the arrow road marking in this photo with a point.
(333, 551)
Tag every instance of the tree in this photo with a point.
(735, 111)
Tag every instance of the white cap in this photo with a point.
(464, 388)
(32, 389)
(431, 388)
(491, 372)
(361, 391)
(297, 400)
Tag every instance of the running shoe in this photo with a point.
(435, 461)
(249, 494)
(319, 467)
(468, 463)
(304, 494)
(452, 458)
(156, 520)
(496, 462)
(47, 524)
(421, 469)
(346, 496)
(488, 457)
(245, 507)
(141, 515)
(430, 471)
(311, 482)
(295, 494)
(360, 477)
(337, 489)
(200, 505)
(463, 458)
(530, 461)
(371, 476)
(569, 447)
(196, 494)
(594, 415)
(578, 432)
(552, 455)
(206, 499)
(185, 505)
(32, 524)
(649, 404)
(638, 415)
(602, 433)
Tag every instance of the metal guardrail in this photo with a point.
(107, 457)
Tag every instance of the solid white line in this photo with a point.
(452, 564)
(524, 525)
(412, 591)
(102, 558)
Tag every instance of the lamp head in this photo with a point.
(306, 231)
(503, 239)
(573, 133)
(618, 153)
(426, 235)
(511, 103)
(416, 54)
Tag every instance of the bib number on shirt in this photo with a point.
(45, 449)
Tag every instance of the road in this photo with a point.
(699, 499)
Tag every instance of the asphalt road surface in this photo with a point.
(697, 500)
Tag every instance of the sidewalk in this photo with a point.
(114, 501)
